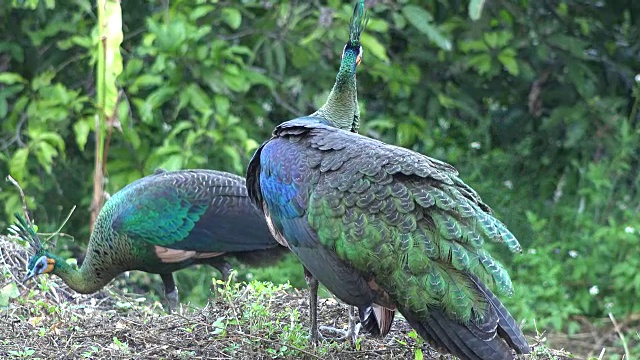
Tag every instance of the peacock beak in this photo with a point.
(29, 275)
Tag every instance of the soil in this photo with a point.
(50, 321)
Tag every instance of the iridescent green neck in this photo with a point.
(341, 107)
(84, 280)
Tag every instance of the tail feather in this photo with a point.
(449, 336)
(376, 319)
(489, 337)
(507, 327)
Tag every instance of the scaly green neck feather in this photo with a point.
(341, 107)
(101, 263)
(83, 280)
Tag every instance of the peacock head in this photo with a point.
(352, 57)
(352, 52)
(41, 262)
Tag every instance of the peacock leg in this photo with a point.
(354, 326)
(352, 331)
(170, 291)
(312, 282)
(224, 268)
(220, 264)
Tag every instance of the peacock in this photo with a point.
(376, 223)
(163, 223)
(386, 226)
(341, 108)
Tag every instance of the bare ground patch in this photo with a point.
(256, 321)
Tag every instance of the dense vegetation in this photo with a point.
(536, 103)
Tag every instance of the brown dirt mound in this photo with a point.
(256, 321)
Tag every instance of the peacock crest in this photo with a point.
(24, 231)
(357, 24)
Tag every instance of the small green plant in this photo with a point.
(219, 327)
(21, 354)
(417, 349)
(7, 293)
(188, 329)
(93, 350)
(119, 345)
(185, 354)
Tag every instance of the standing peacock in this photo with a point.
(163, 223)
(376, 223)
(341, 108)
(380, 224)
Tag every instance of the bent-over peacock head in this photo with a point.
(40, 262)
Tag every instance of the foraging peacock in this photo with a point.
(341, 108)
(163, 223)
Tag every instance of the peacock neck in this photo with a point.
(341, 107)
(106, 258)
(84, 280)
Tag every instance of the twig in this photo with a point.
(24, 201)
(602, 354)
(60, 234)
(285, 104)
(23, 119)
(63, 223)
(619, 331)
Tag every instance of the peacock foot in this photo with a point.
(316, 337)
(352, 331)
(350, 334)
(173, 299)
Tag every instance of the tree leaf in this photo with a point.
(371, 44)
(509, 63)
(109, 57)
(11, 78)
(475, 9)
(18, 163)
(4, 106)
(198, 99)
(232, 17)
(45, 154)
(160, 96)
(421, 20)
(81, 128)
(222, 104)
(377, 25)
(52, 138)
(482, 62)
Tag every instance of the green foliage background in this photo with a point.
(536, 103)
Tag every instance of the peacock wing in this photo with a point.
(193, 210)
(278, 183)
